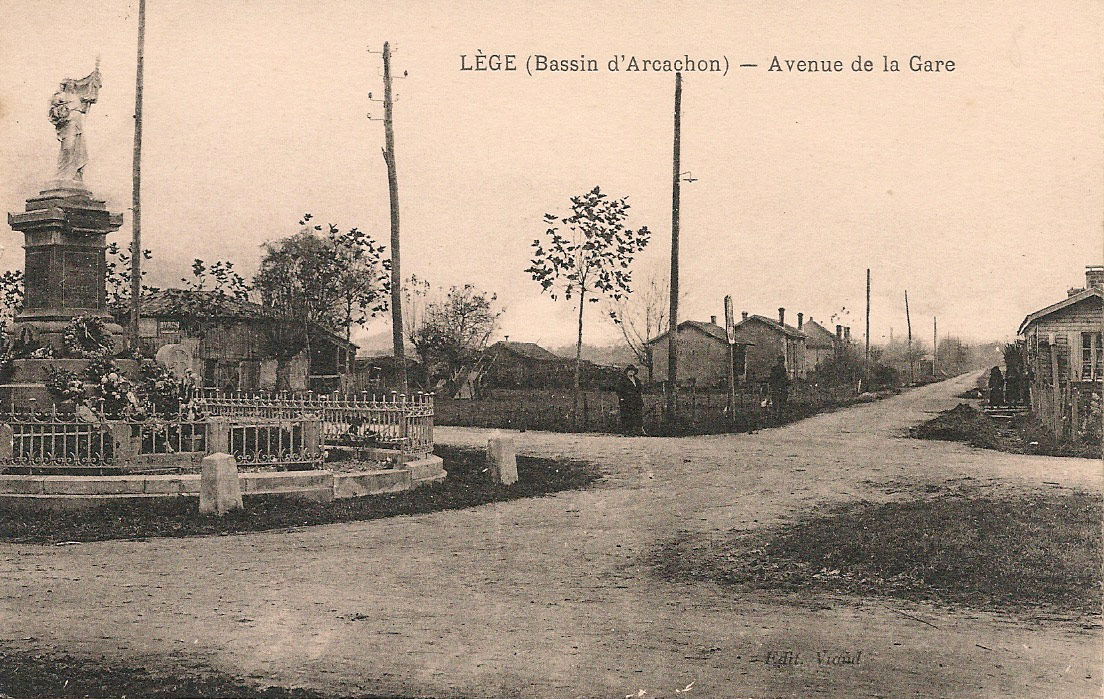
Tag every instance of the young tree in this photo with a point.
(589, 260)
(117, 275)
(455, 328)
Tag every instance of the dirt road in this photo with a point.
(553, 597)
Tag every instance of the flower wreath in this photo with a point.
(63, 384)
(86, 336)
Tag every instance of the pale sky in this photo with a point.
(980, 191)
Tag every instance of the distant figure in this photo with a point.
(779, 382)
(1014, 385)
(996, 386)
(630, 401)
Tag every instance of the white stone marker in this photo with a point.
(219, 490)
(502, 460)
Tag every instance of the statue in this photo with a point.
(67, 109)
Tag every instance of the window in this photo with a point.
(1092, 356)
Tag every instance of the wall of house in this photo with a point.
(767, 343)
(702, 359)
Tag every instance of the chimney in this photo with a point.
(839, 332)
(847, 334)
(743, 315)
(1094, 276)
(713, 320)
(800, 320)
(507, 338)
(781, 315)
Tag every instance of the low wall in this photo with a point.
(319, 485)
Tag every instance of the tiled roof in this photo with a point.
(529, 350)
(787, 330)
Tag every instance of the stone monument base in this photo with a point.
(24, 382)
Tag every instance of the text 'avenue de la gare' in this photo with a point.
(540, 63)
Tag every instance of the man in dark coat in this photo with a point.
(630, 401)
(779, 383)
(996, 386)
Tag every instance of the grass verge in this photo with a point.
(1007, 553)
(25, 674)
(1023, 435)
(466, 486)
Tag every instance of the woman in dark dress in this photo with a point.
(996, 387)
(630, 400)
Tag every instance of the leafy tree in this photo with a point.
(335, 279)
(586, 257)
(117, 275)
(11, 297)
(209, 295)
(455, 328)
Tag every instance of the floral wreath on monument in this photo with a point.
(87, 336)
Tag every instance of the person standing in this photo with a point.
(779, 383)
(996, 386)
(630, 401)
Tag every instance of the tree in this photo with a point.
(322, 277)
(336, 279)
(117, 275)
(455, 328)
(643, 316)
(590, 260)
(209, 295)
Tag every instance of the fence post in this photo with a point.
(7, 442)
(312, 436)
(126, 446)
(218, 435)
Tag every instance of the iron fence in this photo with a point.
(273, 442)
(403, 423)
(56, 442)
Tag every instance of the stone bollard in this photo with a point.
(219, 490)
(502, 460)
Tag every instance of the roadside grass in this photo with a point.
(1024, 435)
(27, 674)
(467, 485)
(1005, 553)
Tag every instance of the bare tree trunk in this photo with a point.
(393, 192)
(578, 362)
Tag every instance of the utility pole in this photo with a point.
(868, 318)
(136, 194)
(393, 192)
(672, 333)
(730, 332)
(935, 344)
(908, 352)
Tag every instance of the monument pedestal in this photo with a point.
(65, 236)
(65, 232)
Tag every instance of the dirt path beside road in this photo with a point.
(553, 597)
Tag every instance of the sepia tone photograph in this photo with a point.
(594, 348)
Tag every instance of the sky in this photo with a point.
(979, 191)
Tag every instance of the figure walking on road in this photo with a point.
(630, 401)
(779, 383)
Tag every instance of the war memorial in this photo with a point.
(87, 419)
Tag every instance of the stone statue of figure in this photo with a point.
(67, 109)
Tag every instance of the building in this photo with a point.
(821, 343)
(767, 339)
(1064, 356)
(240, 345)
(522, 365)
(702, 354)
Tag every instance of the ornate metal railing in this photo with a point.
(273, 442)
(52, 441)
(404, 423)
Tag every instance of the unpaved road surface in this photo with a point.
(554, 597)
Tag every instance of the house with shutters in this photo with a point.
(1064, 354)
(768, 339)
